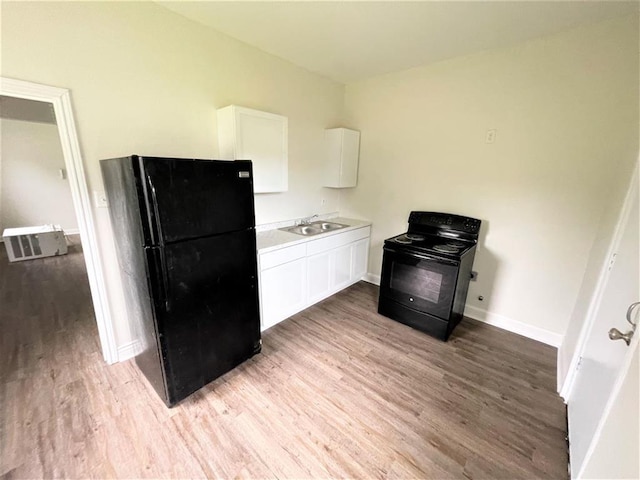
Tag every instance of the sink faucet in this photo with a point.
(306, 220)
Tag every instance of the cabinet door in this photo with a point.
(342, 148)
(342, 267)
(350, 153)
(283, 291)
(360, 259)
(319, 279)
(262, 138)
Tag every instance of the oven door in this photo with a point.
(422, 282)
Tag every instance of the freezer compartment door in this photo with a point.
(207, 309)
(194, 198)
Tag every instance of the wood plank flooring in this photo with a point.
(337, 392)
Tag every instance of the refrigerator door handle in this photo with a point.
(165, 280)
(156, 213)
(160, 277)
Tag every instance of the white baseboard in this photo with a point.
(371, 278)
(511, 325)
(129, 350)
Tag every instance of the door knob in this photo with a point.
(615, 334)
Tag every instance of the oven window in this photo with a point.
(416, 281)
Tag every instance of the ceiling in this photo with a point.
(349, 41)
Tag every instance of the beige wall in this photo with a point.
(565, 108)
(32, 191)
(144, 80)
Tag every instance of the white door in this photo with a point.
(605, 361)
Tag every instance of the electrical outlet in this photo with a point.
(491, 136)
(100, 199)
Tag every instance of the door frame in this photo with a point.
(60, 98)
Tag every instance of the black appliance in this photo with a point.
(185, 238)
(426, 272)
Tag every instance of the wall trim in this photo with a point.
(371, 278)
(60, 98)
(129, 350)
(514, 326)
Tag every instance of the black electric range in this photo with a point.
(426, 272)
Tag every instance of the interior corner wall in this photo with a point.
(565, 111)
(32, 192)
(144, 80)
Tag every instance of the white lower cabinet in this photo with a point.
(342, 271)
(294, 278)
(360, 257)
(283, 291)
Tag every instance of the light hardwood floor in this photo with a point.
(338, 391)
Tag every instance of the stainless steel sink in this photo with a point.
(314, 228)
(327, 226)
(303, 230)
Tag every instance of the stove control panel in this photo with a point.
(471, 225)
(445, 221)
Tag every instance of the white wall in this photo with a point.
(145, 80)
(32, 192)
(566, 112)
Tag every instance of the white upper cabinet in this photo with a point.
(246, 134)
(342, 150)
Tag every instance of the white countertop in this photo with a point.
(270, 240)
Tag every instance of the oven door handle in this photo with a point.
(422, 256)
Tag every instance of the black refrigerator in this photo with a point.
(185, 239)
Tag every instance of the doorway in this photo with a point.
(60, 99)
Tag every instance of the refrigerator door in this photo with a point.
(187, 199)
(206, 305)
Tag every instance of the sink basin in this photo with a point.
(327, 226)
(314, 228)
(304, 230)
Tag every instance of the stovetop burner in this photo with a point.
(456, 244)
(402, 239)
(415, 237)
(446, 248)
